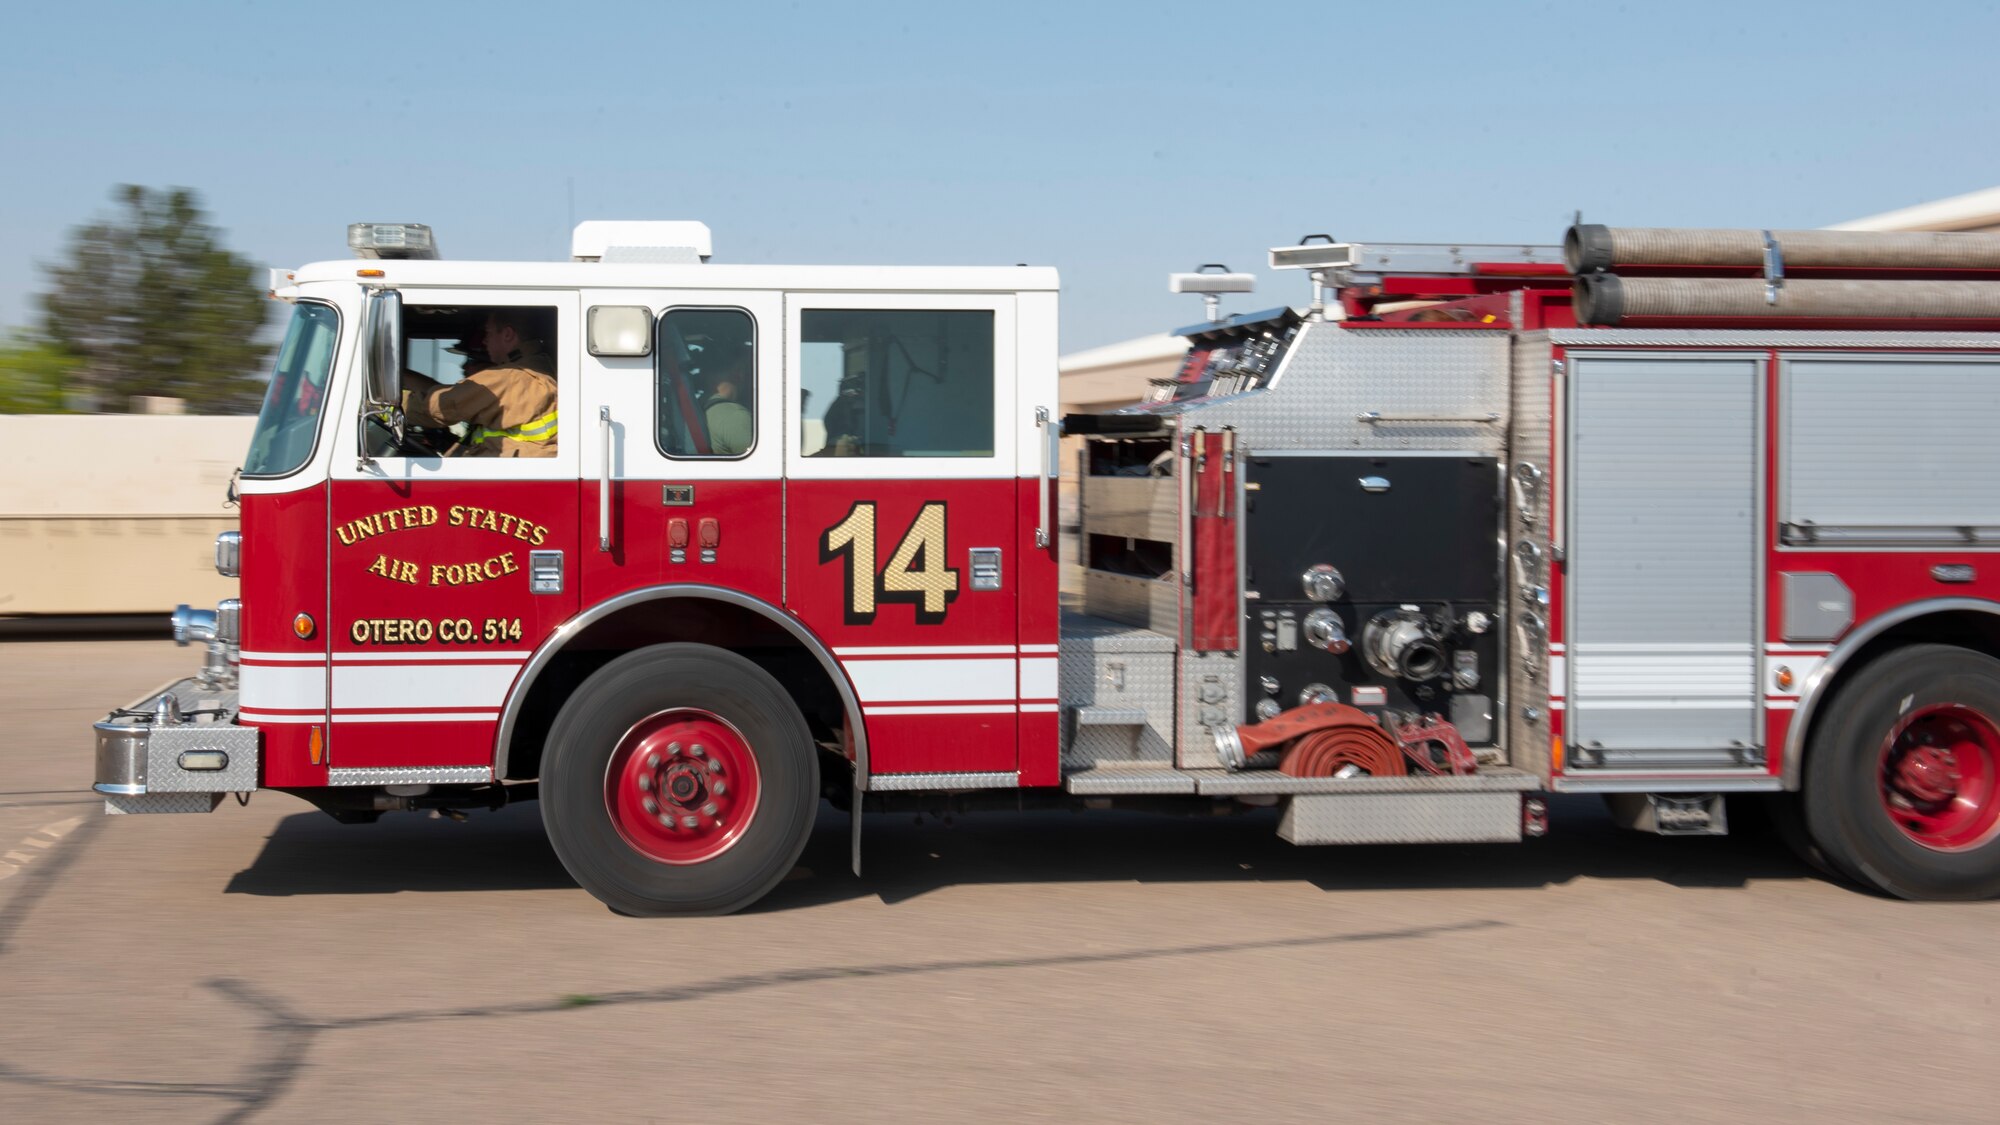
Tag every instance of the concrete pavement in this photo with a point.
(265, 963)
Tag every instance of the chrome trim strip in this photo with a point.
(1692, 783)
(410, 775)
(1809, 694)
(890, 781)
(511, 713)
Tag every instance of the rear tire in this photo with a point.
(679, 779)
(1902, 785)
(1787, 813)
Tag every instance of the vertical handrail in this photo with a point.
(604, 480)
(1049, 429)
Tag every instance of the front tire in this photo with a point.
(679, 779)
(1902, 786)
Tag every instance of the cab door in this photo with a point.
(901, 519)
(681, 456)
(446, 572)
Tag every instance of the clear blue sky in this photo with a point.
(1115, 141)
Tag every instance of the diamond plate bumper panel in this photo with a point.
(1402, 818)
(137, 757)
(119, 805)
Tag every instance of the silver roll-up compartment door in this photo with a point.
(1661, 599)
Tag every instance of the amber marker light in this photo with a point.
(369, 273)
(1785, 678)
(303, 626)
(1556, 752)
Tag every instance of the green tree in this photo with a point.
(32, 376)
(151, 303)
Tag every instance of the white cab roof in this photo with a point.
(602, 275)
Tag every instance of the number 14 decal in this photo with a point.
(916, 572)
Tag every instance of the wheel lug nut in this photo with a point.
(689, 822)
(721, 789)
(709, 808)
(652, 806)
(666, 820)
(645, 782)
(653, 761)
(698, 751)
(673, 748)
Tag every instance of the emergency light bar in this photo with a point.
(392, 240)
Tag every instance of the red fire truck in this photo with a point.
(1662, 515)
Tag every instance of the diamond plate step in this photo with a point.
(1110, 716)
(1251, 782)
(1402, 818)
(1114, 779)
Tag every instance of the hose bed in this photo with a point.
(1590, 247)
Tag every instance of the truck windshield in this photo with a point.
(289, 421)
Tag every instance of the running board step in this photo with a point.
(1116, 779)
(1110, 717)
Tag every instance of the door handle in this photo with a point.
(604, 480)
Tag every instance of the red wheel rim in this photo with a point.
(1941, 777)
(682, 786)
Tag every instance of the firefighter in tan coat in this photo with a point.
(510, 405)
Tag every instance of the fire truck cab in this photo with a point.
(1644, 516)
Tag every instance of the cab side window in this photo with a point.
(705, 382)
(444, 346)
(896, 383)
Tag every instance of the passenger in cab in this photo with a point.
(509, 405)
(731, 429)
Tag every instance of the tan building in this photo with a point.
(115, 513)
(1973, 211)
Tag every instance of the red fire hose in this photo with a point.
(1325, 738)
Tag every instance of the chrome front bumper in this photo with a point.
(177, 750)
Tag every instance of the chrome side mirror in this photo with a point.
(385, 349)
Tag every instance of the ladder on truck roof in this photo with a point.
(1348, 262)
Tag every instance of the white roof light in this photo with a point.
(391, 240)
(1210, 284)
(604, 240)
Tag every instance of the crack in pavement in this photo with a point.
(289, 1035)
(38, 879)
(49, 802)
